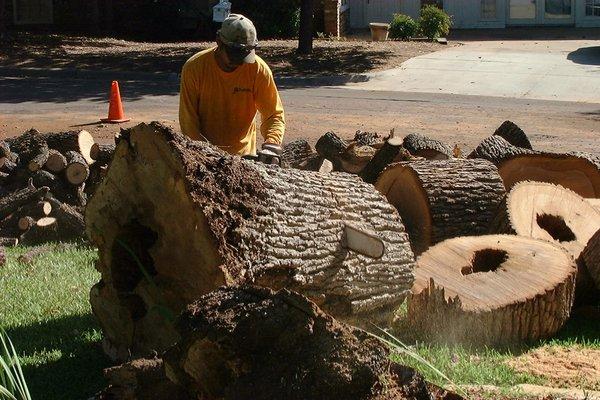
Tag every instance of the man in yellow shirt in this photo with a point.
(222, 89)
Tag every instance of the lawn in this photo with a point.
(45, 309)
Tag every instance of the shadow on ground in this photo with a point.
(76, 361)
(585, 55)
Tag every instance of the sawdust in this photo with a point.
(562, 367)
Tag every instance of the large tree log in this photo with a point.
(513, 135)
(579, 172)
(252, 343)
(442, 199)
(384, 156)
(423, 146)
(79, 141)
(491, 290)
(242, 222)
(547, 212)
(496, 149)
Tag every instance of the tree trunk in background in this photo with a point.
(305, 36)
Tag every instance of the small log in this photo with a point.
(81, 142)
(491, 290)
(367, 138)
(70, 221)
(8, 241)
(44, 178)
(102, 153)
(43, 231)
(513, 135)
(245, 223)
(32, 149)
(384, 156)
(31, 255)
(579, 172)
(423, 146)
(9, 166)
(15, 200)
(31, 212)
(296, 154)
(443, 199)
(257, 328)
(25, 223)
(496, 149)
(77, 170)
(331, 146)
(57, 162)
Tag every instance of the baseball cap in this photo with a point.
(239, 36)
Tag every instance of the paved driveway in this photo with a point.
(564, 70)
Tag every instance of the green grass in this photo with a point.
(44, 307)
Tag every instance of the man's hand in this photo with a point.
(270, 154)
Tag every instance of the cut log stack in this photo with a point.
(43, 179)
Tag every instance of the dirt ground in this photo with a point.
(330, 57)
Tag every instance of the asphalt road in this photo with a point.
(52, 104)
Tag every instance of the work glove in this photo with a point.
(270, 154)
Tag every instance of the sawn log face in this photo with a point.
(198, 219)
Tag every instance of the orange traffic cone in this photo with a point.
(115, 109)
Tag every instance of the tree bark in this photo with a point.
(491, 290)
(243, 222)
(305, 36)
(296, 154)
(513, 135)
(12, 202)
(423, 146)
(496, 149)
(331, 146)
(443, 199)
(102, 153)
(367, 138)
(78, 141)
(384, 156)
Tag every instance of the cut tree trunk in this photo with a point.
(443, 199)
(591, 258)
(576, 171)
(513, 135)
(57, 162)
(491, 290)
(289, 349)
(296, 154)
(384, 156)
(496, 149)
(15, 200)
(242, 222)
(79, 141)
(77, 170)
(430, 149)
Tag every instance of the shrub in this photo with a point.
(403, 27)
(434, 22)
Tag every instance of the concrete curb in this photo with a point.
(172, 77)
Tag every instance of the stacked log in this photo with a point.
(438, 200)
(492, 290)
(43, 184)
(243, 222)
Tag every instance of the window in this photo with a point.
(592, 8)
(32, 11)
(488, 9)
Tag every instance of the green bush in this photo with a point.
(434, 23)
(403, 27)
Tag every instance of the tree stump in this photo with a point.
(496, 149)
(197, 219)
(252, 343)
(442, 199)
(423, 146)
(514, 135)
(491, 290)
(579, 172)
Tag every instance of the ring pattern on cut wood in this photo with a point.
(198, 219)
(491, 290)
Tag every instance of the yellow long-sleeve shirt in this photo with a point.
(221, 106)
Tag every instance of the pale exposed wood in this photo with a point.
(442, 199)
(423, 146)
(513, 135)
(354, 159)
(242, 222)
(78, 141)
(577, 171)
(43, 231)
(595, 203)
(492, 290)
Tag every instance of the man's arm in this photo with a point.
(269, 106)
(189, 119)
